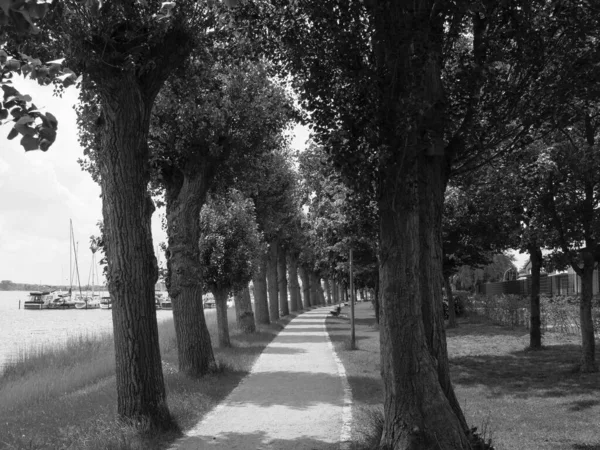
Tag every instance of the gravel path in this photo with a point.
(295, 398)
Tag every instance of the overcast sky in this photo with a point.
(41, 191)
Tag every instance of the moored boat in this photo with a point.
(88, 302)
(106, 302)
(48, 300)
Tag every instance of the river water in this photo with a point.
(23, 330)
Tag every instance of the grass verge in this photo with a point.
(522, 399)
(65, 397)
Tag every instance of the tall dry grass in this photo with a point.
(64, 396)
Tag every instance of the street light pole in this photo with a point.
(352, 332)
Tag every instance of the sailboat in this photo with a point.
(91, 300)
(54, 299)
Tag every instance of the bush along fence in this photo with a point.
(558, 313)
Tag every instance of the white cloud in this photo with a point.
(39, 193)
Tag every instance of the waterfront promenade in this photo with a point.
(296, 397)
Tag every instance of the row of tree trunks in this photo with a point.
(272, 281)
(321, 292)
(295, 300)
(328, 291)
(261, 302)
(282, 280)
(243, 311)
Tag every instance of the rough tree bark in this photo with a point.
(535, 329)
(417, 412)
(132, 267)
(432, 184)
(244, 315)
(261, 303)
(305, 287)
(588, 344)
(282, 280)
(419, 406)
(185, 195)
(272, 281)
(295, 300)
(451, 306)
(222, 323)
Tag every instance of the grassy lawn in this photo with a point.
(65, 398)
(523, 399)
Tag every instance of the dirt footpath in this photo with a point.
(292, 400)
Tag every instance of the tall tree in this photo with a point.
(388, 57)
(125, 53)
(210, 119)
(229, 244)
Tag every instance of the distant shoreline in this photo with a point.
(10, 286)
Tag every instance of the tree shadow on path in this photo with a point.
(255, 441)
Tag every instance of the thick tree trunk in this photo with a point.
(222, 323)
(432, 184)
(261, 302)
(451, 306)
(305, 286)
(417, 411)
(272, 282)
(295, 300)
(243, 311)
(185, 196)
(588, 344)
(282, 280)
(132, 267)
(535, 329)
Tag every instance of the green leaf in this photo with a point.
(25, 130)
(25, 119)
(13, 134)
(29, 143)
(3, 114)
(53, 123)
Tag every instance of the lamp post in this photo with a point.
(352, 333)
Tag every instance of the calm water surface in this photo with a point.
(22, 330)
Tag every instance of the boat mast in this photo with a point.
(70, 257)
(76, 263)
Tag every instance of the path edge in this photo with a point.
(346, 430)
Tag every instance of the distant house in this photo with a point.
(565, 282)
